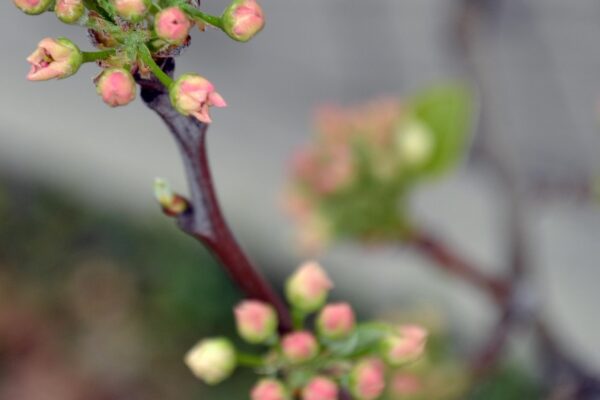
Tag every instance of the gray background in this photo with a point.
(542, 64)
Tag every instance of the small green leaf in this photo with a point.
(364, 340)
(447, 112)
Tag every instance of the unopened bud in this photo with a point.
(69, 11)
(405, 346)
(131, 10)
(212, 360)
(336, 321)
(320, 388)
(415, 143)
(192, 95)
(243, 19)
(116, 86)
(54, 58)
(172, 203)
(367, 379)
(308, 287)
(269, 389)
(256, 321)
(33, 7)
(299, 347)
(172, 25)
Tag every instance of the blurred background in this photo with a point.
(100, 295)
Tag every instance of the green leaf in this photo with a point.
(447, 111)
(364, 340)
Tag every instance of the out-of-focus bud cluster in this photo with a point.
(315, 361)
(133, 37)
(353, 180)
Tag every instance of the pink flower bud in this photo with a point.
(32, 7)
(116, 86)
(131, 10)
(54, 58)
(308, 287)
(172, 25)
(212, 360)
(336, 321)
(320, 388)
(367, 379)
(256, 321)
(405, 346)
(269, 389)
(69, 11)
(193, 95)
(243, 19)
(299, 347)
(404, 384)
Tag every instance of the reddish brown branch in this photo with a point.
(204, 219)
(452, 262)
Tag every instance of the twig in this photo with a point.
(450, 261)
(204, 220)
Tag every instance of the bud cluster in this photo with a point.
(351, 179)
(133, 37)
(314, 361)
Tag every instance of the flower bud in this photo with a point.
(256, 321)
(320, 388)
(69, 11)
(193, 95)
(407, 345)
(116, 86)
(299, 347)
(54, 58)
(212, 360)
(415, 143)
(269, 389)
(172, 25)
(131, 10)
(336, 321)
(367, 379)
(243, 19)
(308, 287)
(405, 385)
(172, 203)
(33, 7)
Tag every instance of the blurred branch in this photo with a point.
(561, 370)
(452, 262)
(204, 219)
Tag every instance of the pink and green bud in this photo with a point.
(336, 321)
(69, 11)
(131, 10)
(367, 379)
(405, 385)
(212, 360)
(299, 347)
(256, 321)
(192, 95)
(269, 389)
(243, 19)
(172, 25)
(54, 58)
(116, 86)
(308, 287)
(33, 7)
(320, 388)
(405, 346)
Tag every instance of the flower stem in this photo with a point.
(146, 57)
(298, 319)
(93, 56)
(197, 14)
(249, 360)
